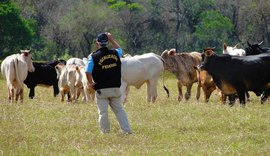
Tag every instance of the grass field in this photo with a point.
(45, 126)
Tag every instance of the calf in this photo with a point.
(68, 83)
(14, 69)
(207, 83)
(82, 82)
(234, 74)
(44, 75)
(182, 66)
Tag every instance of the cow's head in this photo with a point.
(254, 49)
(26, 54)
(169, 58)
(208, 52)
(58, 68)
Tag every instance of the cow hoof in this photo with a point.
(179, 98)
(31, 97)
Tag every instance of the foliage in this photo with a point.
(16, 33)
(213, 29)
(69, 27)
(122, 5)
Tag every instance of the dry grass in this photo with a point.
(45, 126)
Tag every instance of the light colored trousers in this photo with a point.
(112, 97)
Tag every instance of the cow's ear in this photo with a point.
(172, 52)
(224, 46)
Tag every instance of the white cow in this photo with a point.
(75, 61)
(233, 50)
(14, 69)
(81, 81)
(67, 78)
(73, 81)
(140, 69)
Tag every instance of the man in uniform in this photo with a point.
(105, 67)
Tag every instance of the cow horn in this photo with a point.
(248, 44)
(260, 43)
(236, 45)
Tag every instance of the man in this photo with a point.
(105, 67)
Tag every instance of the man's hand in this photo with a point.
(109, 35)
(110, 38)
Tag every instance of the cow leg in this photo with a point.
(198, 91)
(72, 92)
(231, 99)
(55, 89)
(188, 93)
(78, 91)
(32, 93)
(247, 96)
(152, 90)
(180, 93)
(19, 94)
(62, 92)
(86, 94)
(10, 93)
(242, 97)
(207, 92)
(124, 91)
(69, 98)
(91, 92)
(265, 95)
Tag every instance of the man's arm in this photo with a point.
(111, 39)
(89, 69)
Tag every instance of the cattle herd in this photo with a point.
(233, 73)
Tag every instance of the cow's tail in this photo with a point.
(165, 88)
(199, 83)
(16, 64)
(163, 75)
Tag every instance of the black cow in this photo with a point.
(255, 49)
(234, 74)
(45, 75)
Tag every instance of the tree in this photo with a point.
(15, 31)
(213, 29)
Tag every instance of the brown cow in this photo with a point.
(182, 66)
(207, 83)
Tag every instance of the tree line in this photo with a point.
(67, 28)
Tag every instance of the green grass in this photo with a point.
(45, 126)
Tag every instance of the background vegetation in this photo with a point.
(68, 28)
(46, 126)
